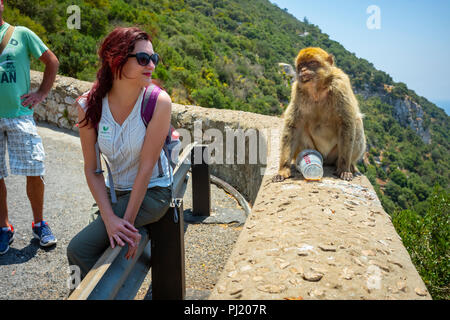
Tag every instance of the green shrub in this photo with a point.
(427, 241)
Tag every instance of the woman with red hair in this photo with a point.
(110, 115)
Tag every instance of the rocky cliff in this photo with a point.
(406, 111)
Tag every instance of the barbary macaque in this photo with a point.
(324, 115)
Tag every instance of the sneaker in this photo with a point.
(6, 238)
(44, 234)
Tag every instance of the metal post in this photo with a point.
(201, 184)
(168, 269)
(167, 239)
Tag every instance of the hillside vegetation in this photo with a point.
(225, 54)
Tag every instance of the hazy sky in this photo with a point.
(412, 44)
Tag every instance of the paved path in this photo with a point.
(30, 272)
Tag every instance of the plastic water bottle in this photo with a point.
(174, 146)
(309, 163)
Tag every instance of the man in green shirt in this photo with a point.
(18, 130)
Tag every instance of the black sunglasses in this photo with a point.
(144, 58)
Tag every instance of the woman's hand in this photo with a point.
(131, 253)
(121, 231)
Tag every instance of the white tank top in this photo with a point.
(122, 144)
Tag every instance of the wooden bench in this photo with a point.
(161, 248)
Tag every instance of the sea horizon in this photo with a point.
(443, 104)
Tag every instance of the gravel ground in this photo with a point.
(28, 271)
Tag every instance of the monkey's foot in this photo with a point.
(344, 175)
(354, 169)
(348, 176)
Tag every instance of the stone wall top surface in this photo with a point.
(319, 240)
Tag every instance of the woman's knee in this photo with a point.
(77, 250)
(81, 253)
(156, 199)
(72, 251)
(151, 212)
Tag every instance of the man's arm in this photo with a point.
(51, 68)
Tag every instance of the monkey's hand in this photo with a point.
(277, 178)
(282, 174)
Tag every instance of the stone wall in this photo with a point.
(59, 107)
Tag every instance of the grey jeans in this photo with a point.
(89, 244)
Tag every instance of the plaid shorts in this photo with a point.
(25, 149)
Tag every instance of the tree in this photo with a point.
(210, 97)
(393, 190)
(427, 241)
(14, 17)
(76, 53)
(398, 177)
(400, 89)
(420, 189)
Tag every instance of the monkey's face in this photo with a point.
(308, 70)
(313, 64)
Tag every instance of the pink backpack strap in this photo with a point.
(151, 94)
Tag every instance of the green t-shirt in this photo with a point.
(15, 69)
